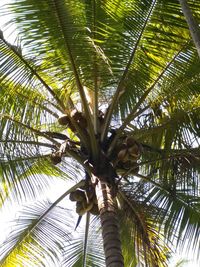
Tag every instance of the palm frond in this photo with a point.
(32, 234)
(144, 234)
(181, 216)
(21, 71)
(74, 252)
(35, 224)
(120, 88)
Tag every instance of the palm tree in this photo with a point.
(105, 94)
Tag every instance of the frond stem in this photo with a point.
(28, 142)
(133, 113)
(37, 132)
(79, 85)
(120, 89)
(86, 239)
(34, 72)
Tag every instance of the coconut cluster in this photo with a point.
(126, 155)
(86, 201)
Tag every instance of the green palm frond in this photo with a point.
(145, 235)
(74, 254)
(20, 70)
(181, 214)
(40, 226)
(29, 175)
(32, 234)
(176, 209)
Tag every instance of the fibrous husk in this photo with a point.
(122, 155)
(77, 195)
(63, 120)
(55, 158)
(79, 208)
(94, 210)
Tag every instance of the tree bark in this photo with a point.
(192, 23)
(109, 224)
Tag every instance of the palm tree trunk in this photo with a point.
(192, 23)
(109, 224)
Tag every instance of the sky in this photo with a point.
(7, 215)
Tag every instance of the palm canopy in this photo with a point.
(134, 63)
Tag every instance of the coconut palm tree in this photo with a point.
(104, 94)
